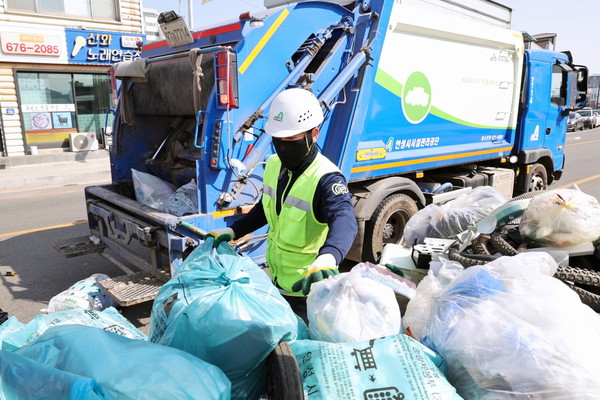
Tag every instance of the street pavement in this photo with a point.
(53, 169)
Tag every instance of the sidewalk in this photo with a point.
(53, 169)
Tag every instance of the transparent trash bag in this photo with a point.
(509, 330)
(562, 217)
(447, 220)
(151, 190)
(351, 308)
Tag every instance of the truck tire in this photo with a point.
(284, 379)
(387, 223)
(578, 275)
(538, 178)
(588, 298)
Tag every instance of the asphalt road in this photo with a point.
(31, 220)
(582, 151)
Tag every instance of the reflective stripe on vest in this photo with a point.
(295, 235)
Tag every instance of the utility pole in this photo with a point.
(191, 14)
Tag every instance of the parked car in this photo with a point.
(589, 118)
(575, 122)
(597, 113)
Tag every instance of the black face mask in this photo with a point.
(293, 152)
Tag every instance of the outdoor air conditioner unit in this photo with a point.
(83, 141)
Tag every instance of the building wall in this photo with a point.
(150, 23)
(14, 21)
(131, 18)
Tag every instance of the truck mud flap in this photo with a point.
(78, 247)
(131, 289)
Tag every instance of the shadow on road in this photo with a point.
(42, 272)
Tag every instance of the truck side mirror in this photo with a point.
(582, 78)
(565, 112)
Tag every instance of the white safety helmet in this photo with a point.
(293, 111)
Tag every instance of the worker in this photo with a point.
(305, 201)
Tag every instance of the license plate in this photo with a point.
(177, 33)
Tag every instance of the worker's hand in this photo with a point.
(222, 235)
(322, 268)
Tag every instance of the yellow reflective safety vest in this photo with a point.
(295, 236)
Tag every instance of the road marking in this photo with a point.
(42, 229)
(589, 141)
(579, 182)
(25, 196)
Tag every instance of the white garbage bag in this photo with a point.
(84, 294)
(350, 308)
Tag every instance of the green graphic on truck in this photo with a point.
(416, 97)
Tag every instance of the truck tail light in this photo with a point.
(226, 79)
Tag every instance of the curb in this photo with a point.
(33, 182)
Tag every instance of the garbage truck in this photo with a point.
(421, 105)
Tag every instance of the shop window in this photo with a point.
(100, 9)
(26, 5)
(92, 98)
(53, 105)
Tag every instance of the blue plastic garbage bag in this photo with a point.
(14, 334)
(223, 309)
(78, 362)
(25, 379)
(393, 367)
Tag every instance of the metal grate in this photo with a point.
(78, 246)
(136, 288)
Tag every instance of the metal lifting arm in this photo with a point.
(310, 49)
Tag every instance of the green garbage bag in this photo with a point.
(224, 309)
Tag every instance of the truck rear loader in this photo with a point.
(421, 105)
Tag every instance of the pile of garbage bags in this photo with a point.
(502, 310)
(212, 327)
(505, 326)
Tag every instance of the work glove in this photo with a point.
(222, 235)
(323, 267)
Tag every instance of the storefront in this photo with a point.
(60, 85)
(55, 104)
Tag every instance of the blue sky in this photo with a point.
(576, 21)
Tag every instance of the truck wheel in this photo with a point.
(284, 380)
(538, 178)
(387, 224)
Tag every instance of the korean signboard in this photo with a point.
(32, 44)
(100, 47)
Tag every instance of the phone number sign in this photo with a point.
(31, 44)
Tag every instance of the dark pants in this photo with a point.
(298, 305)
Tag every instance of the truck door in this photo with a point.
(555, 130)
